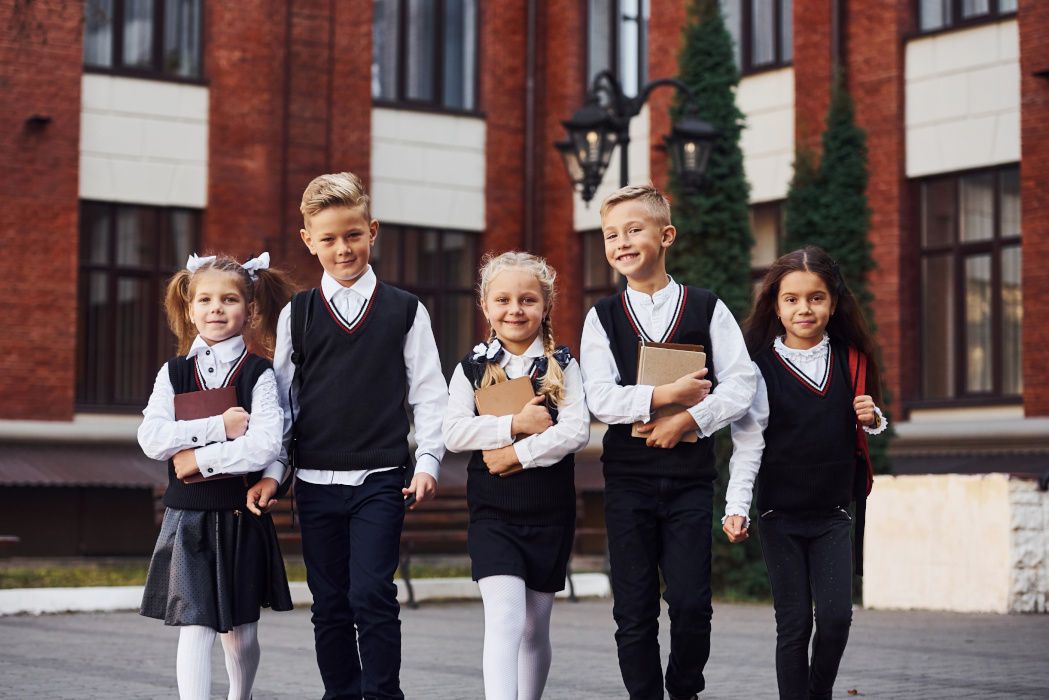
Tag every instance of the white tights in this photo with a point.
(193, 667)
(517, 649)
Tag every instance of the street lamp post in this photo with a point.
(595, 130)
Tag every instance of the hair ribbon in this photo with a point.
(253, 265)
(195, 262)
(488, 352)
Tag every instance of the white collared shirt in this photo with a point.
(465, 431)
(612, 403)
(161, 436)
(427, 393)
(748, 433)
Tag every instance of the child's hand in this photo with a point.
(864, 407)
(236, 422)
(260, 496)
(423, 486)
(733, 527)
(502, 459)
(533, 418)
(667, 431)
(185, 464)
(686, 391)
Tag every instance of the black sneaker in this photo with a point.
(682, 697)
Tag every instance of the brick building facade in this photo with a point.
(129, 140)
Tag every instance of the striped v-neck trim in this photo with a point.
(350, 326)
(818, 387)
(671, 329)
(202, 384)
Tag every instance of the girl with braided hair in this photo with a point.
(522, 523)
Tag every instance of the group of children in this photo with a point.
(331, 412)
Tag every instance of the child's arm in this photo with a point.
(748, 443)
(428, 397)
(609, 402)
(873, 420)
(463, 430)
(568, 435)
(161, 436)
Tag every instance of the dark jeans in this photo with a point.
(809, 559)
(660, 524)
(350, 542)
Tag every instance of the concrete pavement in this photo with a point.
(890, 655)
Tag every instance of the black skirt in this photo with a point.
(537, 553)
(215, 568)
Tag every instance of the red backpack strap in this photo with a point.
(858, 372)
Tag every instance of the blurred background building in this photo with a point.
(133, 132)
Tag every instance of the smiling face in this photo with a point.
(515, 308)
(217, 306)
(634, 243)
(341, 238)
(804, 306)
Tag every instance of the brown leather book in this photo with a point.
(665, 363)
(205, 404)
(505, 399)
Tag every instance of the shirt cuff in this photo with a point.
(701, 416)
(505, 426)
(641, 407)
(426, 463)
(736, 510)
(524, 455)
(206, 462)
(275, 471)
(880, 425)
(216, 430)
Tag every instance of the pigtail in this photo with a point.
(272, 292)
(553, 384)
(176, 305)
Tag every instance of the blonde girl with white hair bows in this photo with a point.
(217, 561)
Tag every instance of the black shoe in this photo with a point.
(682, 697)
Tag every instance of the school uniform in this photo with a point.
(365, 348)
(523, 524)
(799, 441)
(659, 502)
(215, 563)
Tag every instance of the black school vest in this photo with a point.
(222, 494)
(624, 455)
(353, 384)
(540, 496)
(810, 442)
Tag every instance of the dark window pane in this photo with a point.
(939, 212)
(460, 53)
(136, 236)
(977, 208)
(420, 49)
(96, 342)
(98, 33)
(786, 31)
(138, 33)
(975, 8)
(631, 38)
(1012, 322)
(935, 14)
(938, 327)
(978, 328)
(1006, 6)
(182, 228)
(384, 62)
(182, 38)
(457, 329)
(1010, 202)
(458, 260)
(763, 32)
(132, 366)
(386, 253)
(420, 257)
(599, 36)
(730, 10)
(96, 222)
(765, 225)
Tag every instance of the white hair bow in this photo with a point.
(194, 262)
(253, 265)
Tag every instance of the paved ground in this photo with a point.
(890, 655)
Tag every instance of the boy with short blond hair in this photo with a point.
(348, 352)
(659, 491)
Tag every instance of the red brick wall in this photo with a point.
(665, 24)
(812, 69)
(1034, 173)
(41, 57)
(874, 51)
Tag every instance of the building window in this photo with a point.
(762, 31)
(617, 40)
(127, 255)
(148, 38)
(600, 280)
(766, 224)
(934, 15)
(971, 301)
(425, 53)
(439, 267)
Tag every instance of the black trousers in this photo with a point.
(350, 542)
(809, 560)
(660, 524)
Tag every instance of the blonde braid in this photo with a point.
(553, 384)
(493, 372)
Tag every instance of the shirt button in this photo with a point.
(210, 470)
(194, 439)
(207, 352)
(211, 369)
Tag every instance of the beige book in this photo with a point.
(505, 399)
(665, 363)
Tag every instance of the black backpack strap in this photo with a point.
(300, 317)
(175, 366)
